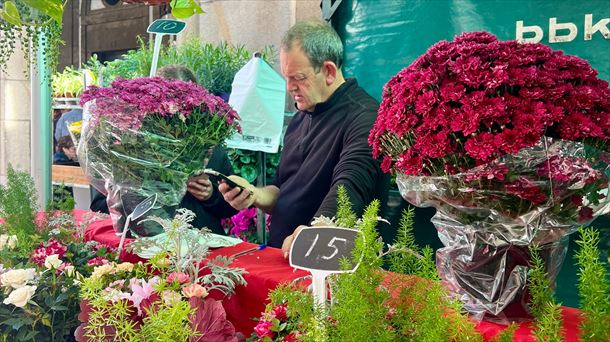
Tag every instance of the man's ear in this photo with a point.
(330, 72)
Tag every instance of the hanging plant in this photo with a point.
(35, 24)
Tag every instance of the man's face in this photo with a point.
(70, 152)
(306, 85)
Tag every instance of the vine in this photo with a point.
(34, 24)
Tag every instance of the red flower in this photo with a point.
(98, 261)
(279, 312)
(489, 98)
(263, 329)
(292, 337)
(482, 147)
(45, 249)
(585, 214)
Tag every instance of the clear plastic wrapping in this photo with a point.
(132, 147)
(488, 217)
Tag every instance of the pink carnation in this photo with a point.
(179, 277)
(263, 329)
(98, 261)
(45, 249)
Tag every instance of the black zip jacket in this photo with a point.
(322, 150)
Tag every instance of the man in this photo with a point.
(325, 145)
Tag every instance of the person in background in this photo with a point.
(202, 198)
(326, 142)
(67, 118)
(66, 152)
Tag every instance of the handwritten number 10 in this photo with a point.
(331, 244)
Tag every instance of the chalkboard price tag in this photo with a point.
(319, 250)
(166, 26)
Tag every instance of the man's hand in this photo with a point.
(288, 241)
(200, 187)
(240, 197)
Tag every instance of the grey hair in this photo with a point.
(319, 41)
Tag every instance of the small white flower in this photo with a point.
(69, 270)
(52, 261)
(171, 298)
(8, 241)
(20, 297)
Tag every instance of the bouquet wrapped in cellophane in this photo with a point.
(147, 136)
(509, 142)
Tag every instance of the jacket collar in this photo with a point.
(335, 97)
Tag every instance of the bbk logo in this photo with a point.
(562, 32)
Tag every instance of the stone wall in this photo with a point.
(14, 116)
(253, 23)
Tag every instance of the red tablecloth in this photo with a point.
(267, 268)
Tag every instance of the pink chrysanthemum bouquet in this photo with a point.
(147, 136)
(509, 142)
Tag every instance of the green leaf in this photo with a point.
(185, 8)
(52, 8)
(11, 14)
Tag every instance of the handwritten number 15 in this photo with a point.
(331, 244)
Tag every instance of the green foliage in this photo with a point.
(593, 286)
(372, 305)
(539, 285)
(34, 24)
(214, 65)
(168, 323)
(345, 215)
(186, 252)
(547, 313)
(67, 83)
(182, 9)
(17, 207)
(547, 326)
(245, 164)
(506, 335)
(136, 63)
(62, 199)
(405, 252)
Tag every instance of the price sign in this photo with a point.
(160, 28)
(319, 250)
(166, 26)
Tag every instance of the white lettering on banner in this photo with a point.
(538, 34)
(601, 26)
(554, 27)
(589, 30)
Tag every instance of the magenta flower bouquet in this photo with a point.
(244, 224)
(147, 136)
(509, 142)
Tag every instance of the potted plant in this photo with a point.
(509, 142)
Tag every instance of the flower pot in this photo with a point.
(487, 224)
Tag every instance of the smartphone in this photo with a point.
(217, 176)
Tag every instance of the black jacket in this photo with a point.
(207, 213)
(322, 150)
